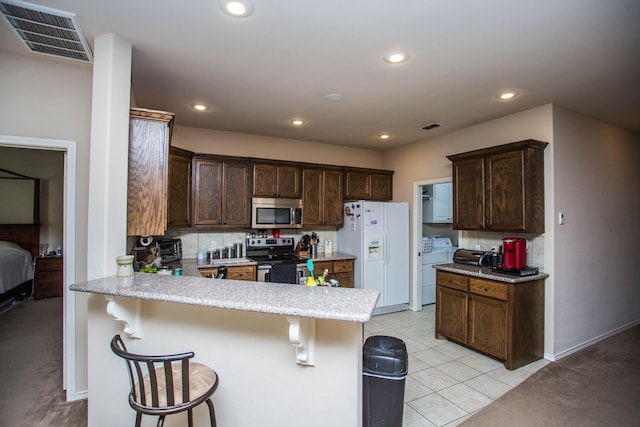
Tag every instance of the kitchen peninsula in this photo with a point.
(285, 354)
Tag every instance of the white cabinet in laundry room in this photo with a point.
(437, 203)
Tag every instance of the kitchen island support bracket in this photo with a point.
(302, 336)
(127, 311)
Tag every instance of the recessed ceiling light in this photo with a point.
(396, 57)
(297, 122)
(200, 107)
(334, 97)
(384, 136)
(507, 95)
(236, 8)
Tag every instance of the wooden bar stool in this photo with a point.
(164, 385)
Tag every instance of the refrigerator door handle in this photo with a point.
(385, 248)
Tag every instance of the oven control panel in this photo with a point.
(265, 242)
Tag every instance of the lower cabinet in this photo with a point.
(242, 272)
(341, 270)
(504, 320)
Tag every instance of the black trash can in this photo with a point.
(384, 369)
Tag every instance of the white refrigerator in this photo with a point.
(377, 233)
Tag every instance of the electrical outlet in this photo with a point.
(561, 218)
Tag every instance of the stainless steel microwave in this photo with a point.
(276, 213)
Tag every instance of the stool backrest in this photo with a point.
(155, 369)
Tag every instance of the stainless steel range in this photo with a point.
(276, 258)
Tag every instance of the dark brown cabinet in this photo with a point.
(504, 320)
(368, 184)
(149, 138)
(221, 192)
(240, 272)
(274, 180)
(322, 196)
(341, 270)
(500, 188)
(48, 277)
(179, 195)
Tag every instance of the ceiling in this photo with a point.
(259, 72)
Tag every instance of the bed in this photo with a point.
(20, 237)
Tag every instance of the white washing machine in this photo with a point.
(435, 250)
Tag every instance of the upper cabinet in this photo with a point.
(179, 197)
(322, 196)
(277, 180)
(500, 188)
(149, 138)
(368, 184)
(221, 192)
(437, 203)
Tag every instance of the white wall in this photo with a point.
(596, 186)
(49, 99)
(246, 145)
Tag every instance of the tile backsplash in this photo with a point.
(480, 240)
(194, 241)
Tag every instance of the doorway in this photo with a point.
(68, 243)
(420, 230)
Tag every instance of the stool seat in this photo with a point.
(163, 385)
(201, 379)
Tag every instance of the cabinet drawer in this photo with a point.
(241, 273)
(451, 280)
(342, 266)
(488, 288)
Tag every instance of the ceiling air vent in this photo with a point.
(47, 31)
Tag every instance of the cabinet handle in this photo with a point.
(486, 289)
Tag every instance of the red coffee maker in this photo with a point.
(514, 253)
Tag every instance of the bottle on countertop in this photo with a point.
(59, 250)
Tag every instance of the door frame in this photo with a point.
(69, 245)
(416, 286)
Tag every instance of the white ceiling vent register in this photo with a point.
(47, 31)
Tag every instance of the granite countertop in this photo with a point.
(346, 304)
(486, 273)
(231, 262)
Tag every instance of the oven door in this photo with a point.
(285, 272)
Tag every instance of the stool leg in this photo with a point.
(190, 417)
(212, 413)
(161, 421)
(138, 419)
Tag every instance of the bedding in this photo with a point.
(16, 266)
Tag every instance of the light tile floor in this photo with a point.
(446, 382)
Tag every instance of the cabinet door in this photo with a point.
(357, 184)
(289, 182)
(506, 191)
(488, 325)
(468, 194)
(451, 313)
(207, 200)
(443, 202)
(333, 200)
(381, 186)
(147, 180)
(265, 178)
(312, 185)
(235, 194)
(179, 196)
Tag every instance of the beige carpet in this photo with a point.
(31, 393)
(598, 386)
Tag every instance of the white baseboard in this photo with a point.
(576, 348)
(80, 395)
